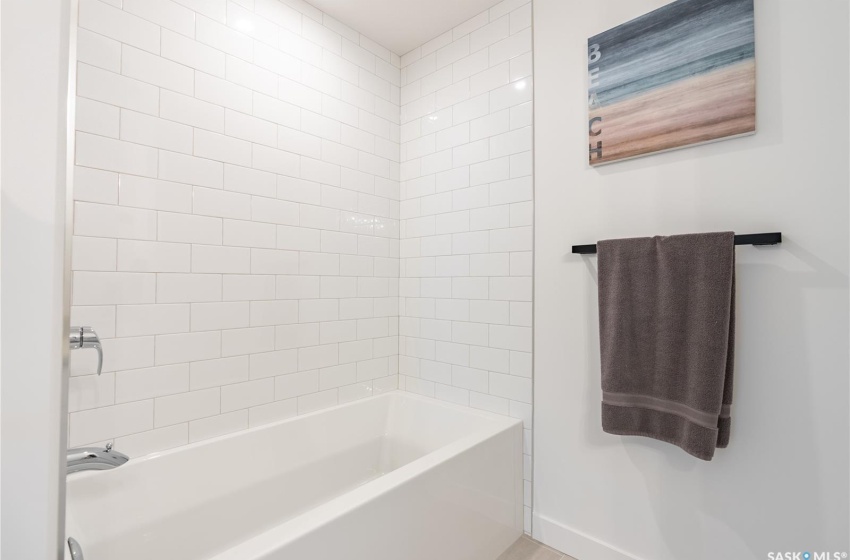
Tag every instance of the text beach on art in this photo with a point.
(681, 75)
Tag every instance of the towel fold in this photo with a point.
(667, 330)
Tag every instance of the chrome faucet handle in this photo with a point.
(91, 340)
(86, 337)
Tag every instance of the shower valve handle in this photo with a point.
(86, 337)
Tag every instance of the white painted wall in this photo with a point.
(466, 217)
(236, 218)
(35, 57)
(782, 484)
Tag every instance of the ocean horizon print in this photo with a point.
(681, 75)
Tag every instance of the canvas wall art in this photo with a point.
(681, 75)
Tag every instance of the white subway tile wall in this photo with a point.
(275, 214)
(466, 217)
(236, 236)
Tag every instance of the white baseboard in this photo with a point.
(575, 543)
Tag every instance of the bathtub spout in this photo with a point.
(94, 459)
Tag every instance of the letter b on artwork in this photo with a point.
(593, 54)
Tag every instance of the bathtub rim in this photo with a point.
(135, 462)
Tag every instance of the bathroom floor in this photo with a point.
(529, 549)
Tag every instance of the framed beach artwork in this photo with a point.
(681, 75)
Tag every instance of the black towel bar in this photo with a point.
(752, 239)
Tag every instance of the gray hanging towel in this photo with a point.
(667, 336)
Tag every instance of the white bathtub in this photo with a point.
(393, 477)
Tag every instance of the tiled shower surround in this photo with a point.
(274, 214)
(466, 217)
(236, 221)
